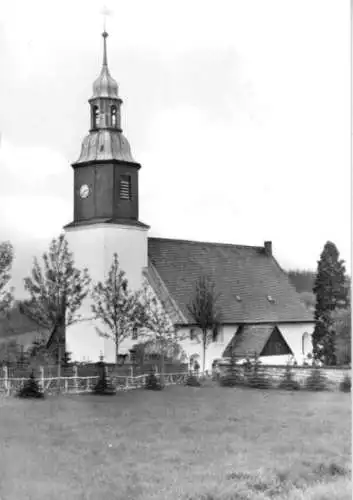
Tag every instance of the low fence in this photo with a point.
(91, 370)
(9, 386)
(328, 378)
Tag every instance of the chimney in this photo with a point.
(268, 248)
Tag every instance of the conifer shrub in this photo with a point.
(345, 385)
(229, 379)
(104, 387)
(288, 383)
(232, 377)
(30, 389)
(192, 381)
(316, 381)
(152, 383)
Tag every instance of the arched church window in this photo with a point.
(306, 347)
(113, 115)
(95, 116)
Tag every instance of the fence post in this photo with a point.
(75, 378)
(41, 369)
(6, 379)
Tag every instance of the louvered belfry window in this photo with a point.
(125, 187)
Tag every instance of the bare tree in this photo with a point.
(115, 306)
(205, 312)
(156, 326)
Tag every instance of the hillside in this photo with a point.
(16, 324)
(303, 281)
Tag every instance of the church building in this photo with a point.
(261, 311)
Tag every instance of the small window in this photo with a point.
(192, 334)
(270, 299)
(277, 348)
(219, 335)
(113, 116)
(134, 333)
(95, 116)
(125, 187)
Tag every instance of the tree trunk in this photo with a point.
(59, 365)
(116, 350)
(204, 350)
(116, 355)
(162, 368)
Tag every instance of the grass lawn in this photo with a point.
(180, 443)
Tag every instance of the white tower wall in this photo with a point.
(93, 247)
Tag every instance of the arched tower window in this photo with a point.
(113, 116)
(95, 116)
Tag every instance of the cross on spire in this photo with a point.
(105, 12)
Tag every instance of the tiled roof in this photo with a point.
(252, 339)
(245, 278)
(248, 340)
(164, 296)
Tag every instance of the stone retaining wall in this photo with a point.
(333, 375)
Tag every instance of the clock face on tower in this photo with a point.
(84, 191)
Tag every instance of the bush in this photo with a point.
(288, 383)
(152, 383)
(316, 381)
(104, 387)
(228, 380)
(30, 389)
(231, 378)
(345, 385)
(192, 381)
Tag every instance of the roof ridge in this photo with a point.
(213, 243)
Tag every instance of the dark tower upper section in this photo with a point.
(105, 174)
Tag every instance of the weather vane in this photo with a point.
(105, 12)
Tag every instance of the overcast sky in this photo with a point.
(239, 112)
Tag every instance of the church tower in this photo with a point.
(106, 208)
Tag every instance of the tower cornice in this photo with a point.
(131, 164)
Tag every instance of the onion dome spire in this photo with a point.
(105, 85)
(105, 140)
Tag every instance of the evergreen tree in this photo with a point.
(30, 389)
(104, 385)
(57, 289)
(115, 306)
(205, 312)
(156, 325)
(6, 293)
(331, 293)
